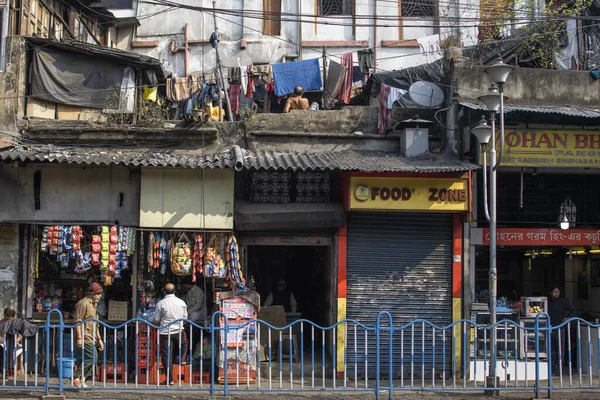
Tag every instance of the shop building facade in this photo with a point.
(401, 252)
(546, 178)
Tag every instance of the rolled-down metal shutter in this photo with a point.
(400, 263)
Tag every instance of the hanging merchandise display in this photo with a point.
(181, 257)
(67, 258)
(210, 260)
(214, 267)
(151, 241)
(234, 270)
(198, 255)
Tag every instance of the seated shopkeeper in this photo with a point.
(12, 332)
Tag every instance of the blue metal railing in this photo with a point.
(303, 356)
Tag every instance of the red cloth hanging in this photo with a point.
(346, 89)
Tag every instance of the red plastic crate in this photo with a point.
(111, 371)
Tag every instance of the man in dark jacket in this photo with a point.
(559, 310)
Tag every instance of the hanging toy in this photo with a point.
(181, 257)
(163, 255)
(234, 272)
(156, 247)
(197, 257)
(150, 250)
(44, 242)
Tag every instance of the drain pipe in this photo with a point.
(186, 52)
(186, 48)
(300, 29)
(238, 158)
(375, 35)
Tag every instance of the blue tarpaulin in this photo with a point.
(287, 76)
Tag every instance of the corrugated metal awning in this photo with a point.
(370, 161)
(135, 156)
(566, 110)
(365, 161)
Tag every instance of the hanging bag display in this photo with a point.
(214, 267)
(181, 257)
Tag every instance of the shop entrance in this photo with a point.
(524, 271)
(307, 271)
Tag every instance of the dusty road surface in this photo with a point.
(185, 395)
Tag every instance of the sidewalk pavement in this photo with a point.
(10, 394)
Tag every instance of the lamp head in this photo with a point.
(491, 99)
(483, 132)
(564, 222)
(498, 71)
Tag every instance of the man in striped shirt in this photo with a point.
(172, 336)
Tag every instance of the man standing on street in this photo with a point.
(172, 336)
(87, 335)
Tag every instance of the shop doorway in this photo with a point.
(307, 271)
(524, 271)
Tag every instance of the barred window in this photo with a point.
(335, 7)
(288, 187)
(270, 187)
(418, 8)
(312, 187)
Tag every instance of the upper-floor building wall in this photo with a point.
(403, 33)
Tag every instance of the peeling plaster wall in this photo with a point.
(70, 194)
(162, 25)
(12, 84)
(9, 265)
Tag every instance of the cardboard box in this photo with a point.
(37, 108)
(74, 113)
(118, 310)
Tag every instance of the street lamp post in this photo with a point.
(494, 101)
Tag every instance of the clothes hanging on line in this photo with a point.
(235, 76)
(366, 60)
(345, 93)
(180, 89)
(394, 94)
(385, 113)
(234, 98)
(251, 83)
(335, 78)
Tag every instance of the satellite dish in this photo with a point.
(426, 94)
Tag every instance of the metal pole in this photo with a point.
(493, 246)
(228, 103)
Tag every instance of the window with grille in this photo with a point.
(288, 187)
(335, 7)
(418, 8)
(270, 187)
(312, 187)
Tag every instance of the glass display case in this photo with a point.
(527, 339)
(506, 338)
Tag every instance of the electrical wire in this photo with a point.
(318, 19)
(425, 53)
